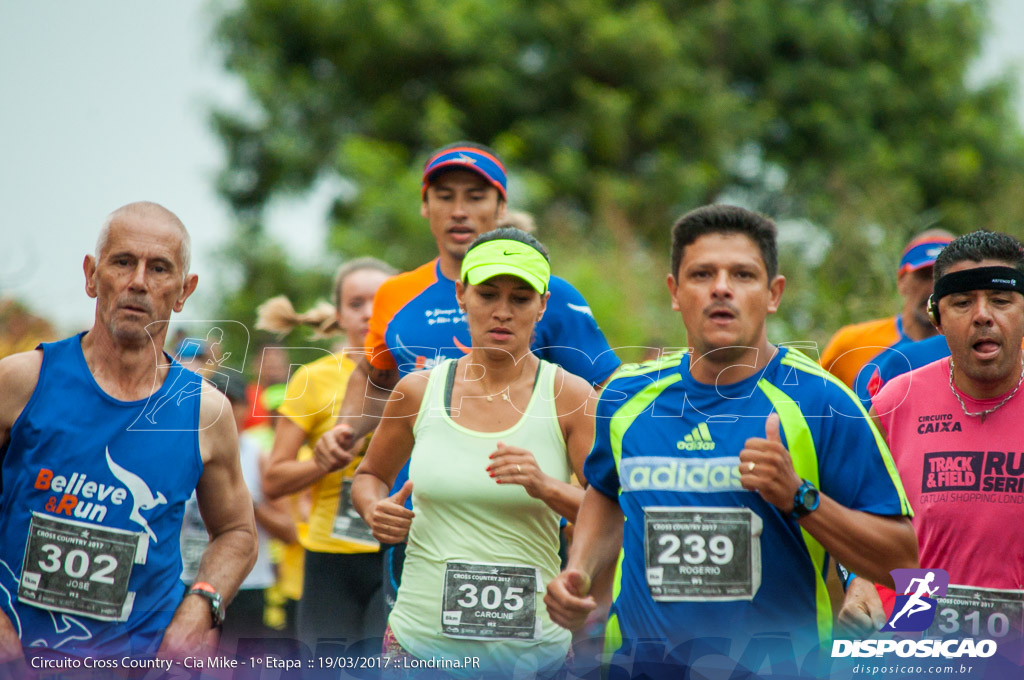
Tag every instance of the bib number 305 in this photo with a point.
(701, 554)
(490, 601)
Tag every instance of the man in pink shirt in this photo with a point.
(954, 428)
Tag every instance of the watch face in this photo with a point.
(806, 500)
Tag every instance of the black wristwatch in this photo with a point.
(805, 501)
(216, 601)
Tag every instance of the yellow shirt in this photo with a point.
(311, 401)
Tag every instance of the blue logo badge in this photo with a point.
(915, 608)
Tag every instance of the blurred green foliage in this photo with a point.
(852, 122)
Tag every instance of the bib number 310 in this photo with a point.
(966, 611)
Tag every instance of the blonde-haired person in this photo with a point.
(521, 220)
(342, 573)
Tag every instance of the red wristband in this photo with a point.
(207, 591)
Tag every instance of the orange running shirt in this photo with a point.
(855, 345)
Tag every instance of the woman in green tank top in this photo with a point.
(492, 440)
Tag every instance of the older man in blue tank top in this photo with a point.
(103, 438)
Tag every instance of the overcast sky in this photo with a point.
(105, 102)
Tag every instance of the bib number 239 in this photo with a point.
(701, 554)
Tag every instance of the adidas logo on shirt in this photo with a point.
(698, 440)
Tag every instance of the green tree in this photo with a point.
(852, 122)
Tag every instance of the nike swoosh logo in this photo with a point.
(582, 309)
(508, 253)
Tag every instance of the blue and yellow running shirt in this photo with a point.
(702, 557)
(416, 324)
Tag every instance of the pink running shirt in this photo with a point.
(964, 478)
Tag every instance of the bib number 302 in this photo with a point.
(701, 554)
(79, 568)
(490, 601)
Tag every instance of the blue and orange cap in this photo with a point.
(921, 252)
(467, 158)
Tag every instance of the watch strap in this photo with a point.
(207, 591)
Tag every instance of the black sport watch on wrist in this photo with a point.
(216, 601)
(805, 501)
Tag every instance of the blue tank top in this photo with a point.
(91, 503)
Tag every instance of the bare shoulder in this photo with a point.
(572, 393)
(408, 393)
(19, 374)
(213, 407)
(216, 423)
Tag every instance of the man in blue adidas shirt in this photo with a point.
(706, 472)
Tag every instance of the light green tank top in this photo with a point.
(481, 554)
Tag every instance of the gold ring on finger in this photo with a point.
(750, 466)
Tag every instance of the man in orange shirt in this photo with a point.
(854, 346)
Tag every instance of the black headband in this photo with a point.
(979, 278)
